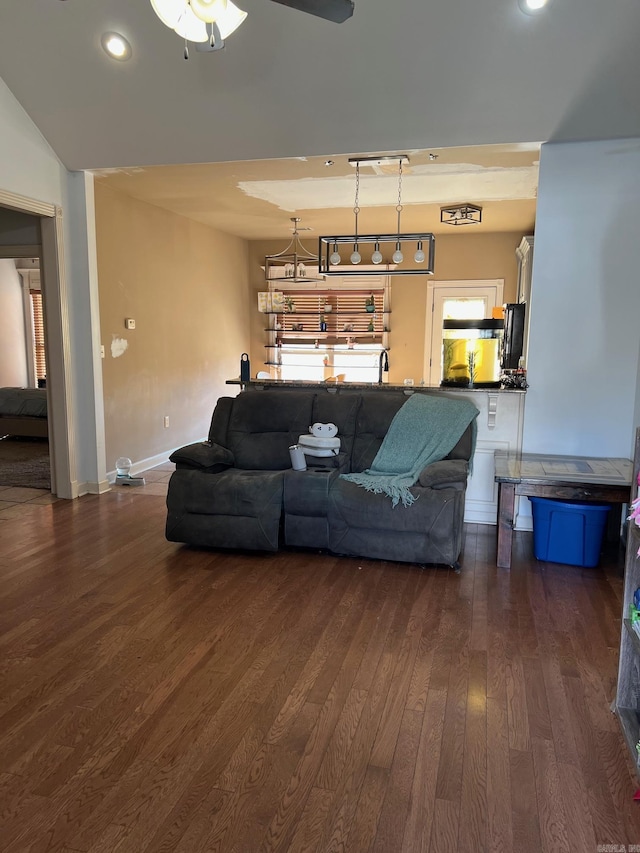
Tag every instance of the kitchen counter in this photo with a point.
(366, 386)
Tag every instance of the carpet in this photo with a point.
(25, 462)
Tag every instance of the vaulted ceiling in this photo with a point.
(415, 76)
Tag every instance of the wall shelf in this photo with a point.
(329, 337)
(328, 314)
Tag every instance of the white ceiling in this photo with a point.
(237, 139)
(399, 75)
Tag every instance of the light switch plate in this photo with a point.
(129, 323)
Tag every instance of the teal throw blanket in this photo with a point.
(424, 430)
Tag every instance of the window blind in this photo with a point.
(38, 334)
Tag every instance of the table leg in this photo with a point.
(506, 504)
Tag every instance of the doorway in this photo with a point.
(470, 300)
(30, 229)
(24, 446)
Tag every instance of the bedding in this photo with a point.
(20, 402)
(23, 411)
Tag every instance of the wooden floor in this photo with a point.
(160, 698)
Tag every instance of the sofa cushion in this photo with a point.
(204, 456)
(263, 425)
(352, 506)
(232, 509)
(374, 416)
(220, 420)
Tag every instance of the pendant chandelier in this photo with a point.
(293, 262)
(333, 261)
(206, 22)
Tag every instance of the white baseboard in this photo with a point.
(141, 465)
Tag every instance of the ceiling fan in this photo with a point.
(337, 11)
(208, 23)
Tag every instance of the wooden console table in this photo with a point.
(577, 478)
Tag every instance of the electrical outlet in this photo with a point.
(166, 421)
(130, 323)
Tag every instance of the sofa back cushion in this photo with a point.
(263, 424)
(373, 420)
(220, 421)
(377, 410)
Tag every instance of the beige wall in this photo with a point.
(458, 257)
(186, 286)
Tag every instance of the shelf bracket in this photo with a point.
(492, 411)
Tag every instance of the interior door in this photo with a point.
(455, 300)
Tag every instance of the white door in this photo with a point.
(455, 300)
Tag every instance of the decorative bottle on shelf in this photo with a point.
(371, 327)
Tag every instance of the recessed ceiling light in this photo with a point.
(116, 46)
(532, 7)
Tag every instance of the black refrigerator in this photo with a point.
(513, 340)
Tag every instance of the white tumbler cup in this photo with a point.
(298, 462)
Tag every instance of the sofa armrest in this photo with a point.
(448, 473)
(203, 456)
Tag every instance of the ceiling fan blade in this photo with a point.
(331, 10)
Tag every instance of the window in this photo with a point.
(39, 358)
(321, 334)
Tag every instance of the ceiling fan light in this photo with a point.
(169, 11)
(231, 19)
(208, 11)
(532, 7)
(191, 28)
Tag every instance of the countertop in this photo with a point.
(366, 386)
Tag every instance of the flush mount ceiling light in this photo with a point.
(461, 214)
(116, 46)
(532, 7)
(207, 22)
(291, 263)
(419, 262)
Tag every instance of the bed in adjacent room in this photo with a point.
(23, 411)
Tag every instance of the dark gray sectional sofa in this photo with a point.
(238, 490)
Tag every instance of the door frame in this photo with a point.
(61, 425)
(493, 288)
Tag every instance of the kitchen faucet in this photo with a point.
(383, 364)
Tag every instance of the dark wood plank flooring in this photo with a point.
(160, 698)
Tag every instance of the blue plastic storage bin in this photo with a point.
(567, 532)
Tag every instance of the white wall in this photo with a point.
(13, 352)
(30, 168)
(585, 311)
(28, 165)
(85, 323)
